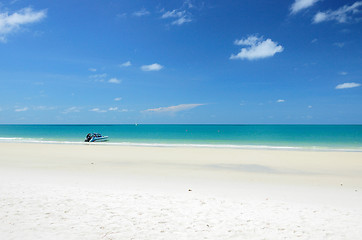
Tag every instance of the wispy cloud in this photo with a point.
(10, 23)
(121, 15)
(182, 16)
(343, 73)
(14, 1)
(98, 77)
(97, 110)
(140, 13)
(92, 69)
(181, 20)
(115, 80)
(280, 100)
(118, 99)
(339, 44)
(44, 108)
(341, 15)
(188, 4)
(71, 110)
(151, 67)
(348, 85)
(173, 14)
(21, 109)
(126, 64)
(103, 76)
(173, 109)
(110, 109)
(299, 5)
(257, 48)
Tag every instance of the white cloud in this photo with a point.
(113, 109)
(343, 73)
(13, 22)
(121, 15)
(92, 69)
(280, 100)
(188, 4)
(182, 15)
(310, 106)
(126, 64)
(181, 20)
(97, 110)
(339, 44)
(347, 85)
(257, 48)
(152, 67)
(21, 109)
(71, 109)
(173, 14)
(140, 13)
(99, 77)
(103, 75)
(13, 1)
(320, 17)
(299, 5)
(341, 15)
(115, 80)
(173, 109)
(118, 99)
(251, 40)
(44, 108)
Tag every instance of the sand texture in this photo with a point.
(55, 191)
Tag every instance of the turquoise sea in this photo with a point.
(318, 137)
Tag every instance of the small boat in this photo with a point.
(95, 137)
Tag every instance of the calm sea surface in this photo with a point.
(348, 137)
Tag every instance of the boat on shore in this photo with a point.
(95, 137)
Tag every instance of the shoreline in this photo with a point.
(195, 145)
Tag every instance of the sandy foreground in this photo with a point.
(90, 191)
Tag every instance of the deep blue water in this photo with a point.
(305, 136)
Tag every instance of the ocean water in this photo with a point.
(318, 137)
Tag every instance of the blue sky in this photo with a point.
(190, 61)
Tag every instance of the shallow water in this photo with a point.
(337, 137)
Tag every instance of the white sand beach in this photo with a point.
(90, 191)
